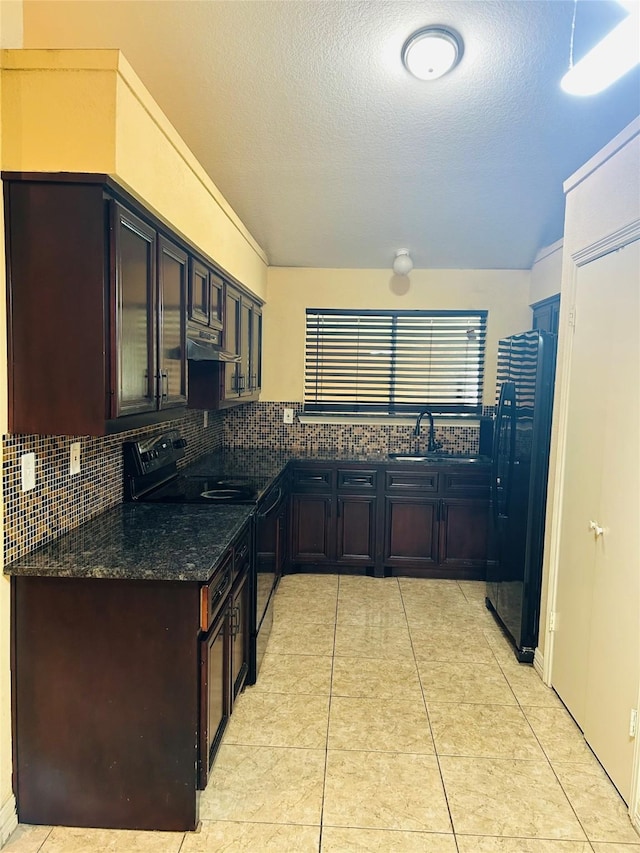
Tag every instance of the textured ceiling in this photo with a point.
(332, 154)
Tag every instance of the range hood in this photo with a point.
(201, 346)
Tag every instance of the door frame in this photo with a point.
(571, 264)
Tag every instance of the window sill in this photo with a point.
(385, 420)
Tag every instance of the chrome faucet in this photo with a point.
(432, 444)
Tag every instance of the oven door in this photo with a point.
(270, 543)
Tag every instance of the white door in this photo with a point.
(582, 486)
(597, 653)
(614, 650)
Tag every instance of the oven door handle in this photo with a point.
(273, 505)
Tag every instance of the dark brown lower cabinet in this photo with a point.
(464, 530)
(106, 702)
(411, 532)
(414, 519)
(215, 702)
(311, 535)
(122, 690)
(356, 524)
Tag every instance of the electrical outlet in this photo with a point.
(28, 462)
(287, 417)
(205, 421)
(74, 459)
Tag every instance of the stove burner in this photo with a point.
(221, 494)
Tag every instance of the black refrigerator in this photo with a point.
(520, 468)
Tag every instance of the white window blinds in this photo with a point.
(394, 361)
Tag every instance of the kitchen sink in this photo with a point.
(436, 456)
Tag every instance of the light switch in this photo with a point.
(74, 459)
(28, 462)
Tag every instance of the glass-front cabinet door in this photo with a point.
(232, 341)
(199, 293)
(172, 288)
(134, 365)
(255, 351)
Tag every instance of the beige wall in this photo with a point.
(10, 36)
(546, 273)
(87, 111)
(504, 293)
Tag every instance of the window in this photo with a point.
(394, 361)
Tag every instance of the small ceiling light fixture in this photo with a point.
(402, 263)
(431, 52)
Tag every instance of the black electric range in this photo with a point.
(151, 475)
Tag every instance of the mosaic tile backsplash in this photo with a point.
(60, 502)
(260, 425)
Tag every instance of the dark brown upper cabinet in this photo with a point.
(206, 299)
(100, 293)
(149, 283)
(240, 381)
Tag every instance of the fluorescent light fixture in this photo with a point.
(610, 59)
(432, 51)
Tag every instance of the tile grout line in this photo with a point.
(433, 740)
(326, 750)
(544, 752)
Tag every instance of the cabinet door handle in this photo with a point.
(349, 481)
(164, 384)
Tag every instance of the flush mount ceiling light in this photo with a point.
(402, 263)
(431, 52)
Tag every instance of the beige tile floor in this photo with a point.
(390, 716)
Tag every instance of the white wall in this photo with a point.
(546, 273)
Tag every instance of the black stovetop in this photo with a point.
(204, 490)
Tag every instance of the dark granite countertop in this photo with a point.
(181, 542)
(140, 542)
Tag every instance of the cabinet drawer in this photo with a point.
(213, 594)
(465, 483)
(421, 481)
(312, 479)
(356, 480)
